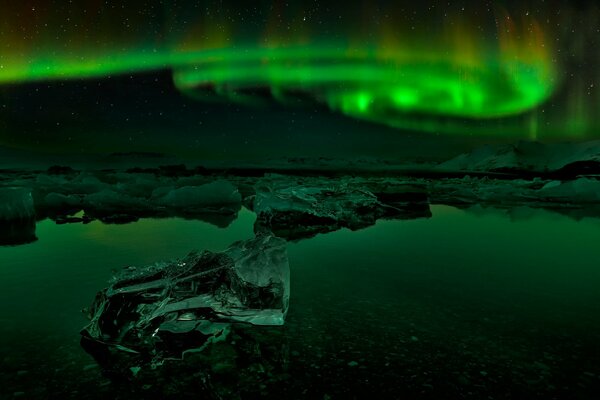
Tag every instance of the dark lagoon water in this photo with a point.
(468, 304)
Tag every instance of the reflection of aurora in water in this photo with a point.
(478, 69)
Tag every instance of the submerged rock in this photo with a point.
(166, 310)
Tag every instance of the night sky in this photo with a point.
(234, 80)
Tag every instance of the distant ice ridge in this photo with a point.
(574, 158)
(165, 310)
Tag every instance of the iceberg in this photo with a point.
(166, 310)
(118, 197)
(16, 204)
(579, 191)
(17, 216)
(298, 211)
(214, 194)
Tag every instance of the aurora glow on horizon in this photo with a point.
(467, 72)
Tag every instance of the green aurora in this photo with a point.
(451, 80)
(361, 83)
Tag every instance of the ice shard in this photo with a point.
(166, 310)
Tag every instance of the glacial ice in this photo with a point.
(298, 205)
(109, 202)
(213, 194)
(16, 204)
(569, 158)
(122, 197)
(554, 194)
(300, 210)
(17, 216)
(166, 310)
(582, 190)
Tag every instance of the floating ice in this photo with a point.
(214, 194)
(581, 191)
(168, 309)
(17, 216)
(295, 211)
(124, 197)
(16, 204)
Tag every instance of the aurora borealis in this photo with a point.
(500, 69)
(307, 199)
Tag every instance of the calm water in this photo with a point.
(462, 305)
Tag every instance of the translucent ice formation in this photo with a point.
(166, 310)
(299, 210)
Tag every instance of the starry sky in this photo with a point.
(240, 80)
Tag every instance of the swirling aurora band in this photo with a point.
(369, 87)
(360, 85)
(427, 88)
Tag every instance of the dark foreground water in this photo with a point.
(462, 305)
